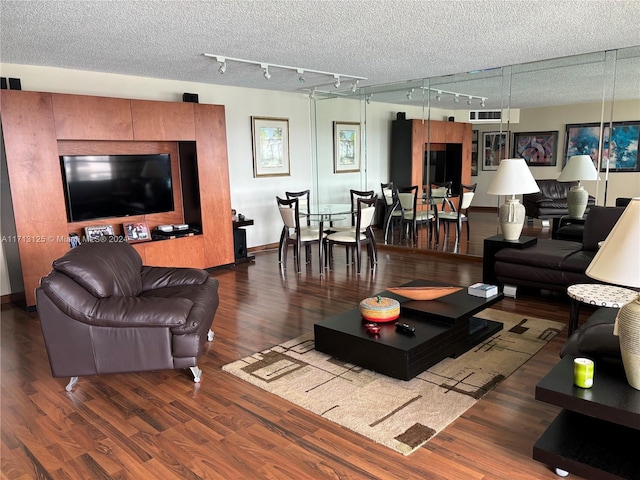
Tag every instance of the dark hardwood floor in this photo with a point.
(161, 425)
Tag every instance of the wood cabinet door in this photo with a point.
(35, 179)
(162, 120)
(175, 252)
(81, 117)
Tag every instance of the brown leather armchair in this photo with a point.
(102, 311)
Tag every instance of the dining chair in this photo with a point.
(461, 214)
(412, 218)
(304, 204)
(392, 215)
(297, 236)
(361, 234)
(355, 195)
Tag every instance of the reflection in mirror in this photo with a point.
(526, 100)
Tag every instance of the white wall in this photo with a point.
(621, 184)
(255, 197)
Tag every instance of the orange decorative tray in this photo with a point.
(423, 293)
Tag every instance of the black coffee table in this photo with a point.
(444, 328)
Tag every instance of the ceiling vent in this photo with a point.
(494, 116)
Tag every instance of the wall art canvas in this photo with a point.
(270, 146)
(494, 149)
(539, 149)
(619, 145)
(346, 141)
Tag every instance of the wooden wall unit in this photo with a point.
(39, 127)
(409, 142)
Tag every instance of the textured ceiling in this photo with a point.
(385, 41)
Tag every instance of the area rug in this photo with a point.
(402, 415)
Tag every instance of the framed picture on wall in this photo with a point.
(474, 153)
(494, 149)
(620, 145)
(539, 149)
(270, 146)
(346, 144)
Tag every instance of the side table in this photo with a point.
(493, 245)
(596, 294)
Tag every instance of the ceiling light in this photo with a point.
(266, 73)
(482, 102)
(469, 101)
(456, 98)
(409, 94)
(439, 95)
(223, 65)
(222, 60)
(312, 94)
(368, 98)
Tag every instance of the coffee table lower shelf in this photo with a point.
(589, 447)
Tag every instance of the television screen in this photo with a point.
(101, 186)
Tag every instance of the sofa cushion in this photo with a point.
(546, 253)
(104, 268)
(598, 224)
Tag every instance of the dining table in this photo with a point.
(327, 213)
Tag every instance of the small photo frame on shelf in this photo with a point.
(270, 146)
(136, 232)
(346, 142)
(494, 149)
(539, 149)
(97, 233)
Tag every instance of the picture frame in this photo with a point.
(97, 233)
(494, 149)
(620, 146)
(539, 149)
(270, 147)
(135, 232)
(346, 147)
(474, 153)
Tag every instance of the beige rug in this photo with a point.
(402, 415)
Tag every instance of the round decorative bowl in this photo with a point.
(379, 309)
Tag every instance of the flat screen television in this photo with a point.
(102, 186)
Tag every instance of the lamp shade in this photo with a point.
(579, 167)
(618, 260)
(513, 177)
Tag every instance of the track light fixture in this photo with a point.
(338, 77)
(456, 96)
(223, 65)
(409, 94)
(368, 98)
(312, 94)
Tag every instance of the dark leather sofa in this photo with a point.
(556, 264)
(102, 311)
(551, 200)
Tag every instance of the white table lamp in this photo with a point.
(618, 262)
(579, 167)
(512, 178)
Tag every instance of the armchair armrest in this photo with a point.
(161, 277)
(119, 311)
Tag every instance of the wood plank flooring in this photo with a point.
(161, 425)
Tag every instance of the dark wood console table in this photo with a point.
(598, 432)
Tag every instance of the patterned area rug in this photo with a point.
(402, 415)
